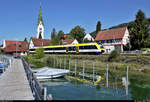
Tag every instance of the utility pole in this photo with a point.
(16, 48)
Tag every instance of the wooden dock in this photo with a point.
(14, 84)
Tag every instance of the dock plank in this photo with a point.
(14, 84)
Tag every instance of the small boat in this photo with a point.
(50, 73)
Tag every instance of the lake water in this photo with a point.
(64, 89)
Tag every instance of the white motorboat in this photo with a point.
(50, 73)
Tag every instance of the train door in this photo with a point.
(66, 49)
(77, 49)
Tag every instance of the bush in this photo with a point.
(145, 49)
(113, 55)
(39, 53)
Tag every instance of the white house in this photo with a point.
(69, 41)
(88, 37)
(113, 39)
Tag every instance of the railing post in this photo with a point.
(93, 72)
(107, 68)
(45, 93)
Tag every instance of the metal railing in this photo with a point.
(37, 89)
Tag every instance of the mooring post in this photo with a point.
(54, 62)
(75, 67)
(93, 71)
(83, 68)
(64, 63)
(57, 62)
(60, 63)
(107, 68)
(69, 64)
(45, 93)
(127, 82)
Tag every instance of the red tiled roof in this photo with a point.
(117, 33)
(40, 42)
(67, 41)
(22, 46)
(7, 42)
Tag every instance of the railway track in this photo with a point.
(101, 54)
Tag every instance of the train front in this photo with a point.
(101, 47)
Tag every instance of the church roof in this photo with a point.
(40, 42)
(40, 17)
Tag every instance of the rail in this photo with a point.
(37, 89)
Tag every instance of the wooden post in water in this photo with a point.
(75, 67)
(45, 93)
(64, 63)
(93, 72)
(54, 62)
(127, 82)
(57, 62)
(107, 68)
(83, 68)
(69, 64)
(60, 62)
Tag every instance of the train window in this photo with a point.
(94, 47)
(81, 47)
(88, 47)
(32, 49)
(72, 48)
(48, 49)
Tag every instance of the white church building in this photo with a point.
(39, 40)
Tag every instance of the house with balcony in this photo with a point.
(113, 39)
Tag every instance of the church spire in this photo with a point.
(40, 25)
(40, 16)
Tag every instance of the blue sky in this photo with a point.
(18, 18)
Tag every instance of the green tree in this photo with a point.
(39, 53)
(53, 33)
(87, 41)
(139, 36)
(55, 41)
(98, 27)
(60, 35)
(78, 33)
(25, 39)
(69, 37)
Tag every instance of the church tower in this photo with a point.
(40, 26)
